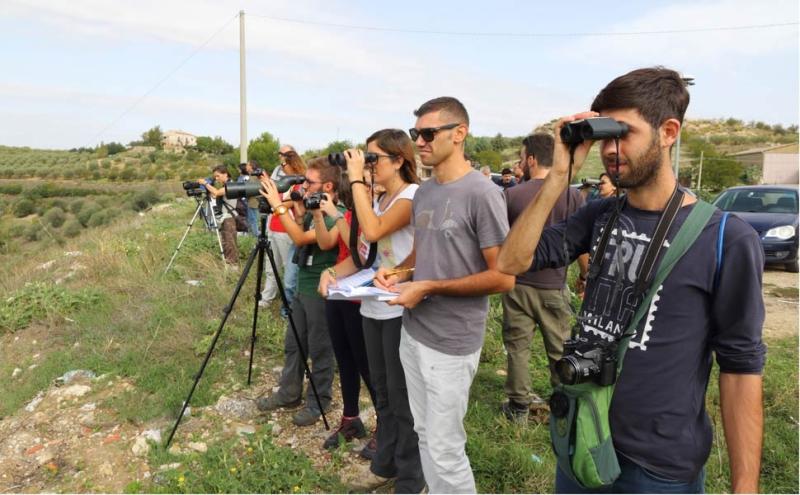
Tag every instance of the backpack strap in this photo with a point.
(688, 233)
(720, 239)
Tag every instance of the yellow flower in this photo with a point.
(181, 480)
(233, 470)
(249, 450)
(295, 488)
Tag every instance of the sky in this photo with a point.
(78, 72)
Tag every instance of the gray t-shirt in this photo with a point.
(453, 222)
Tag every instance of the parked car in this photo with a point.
(772, 211)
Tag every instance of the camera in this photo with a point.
(194, 188)
(588, 182)
(257, 172)
(339, 160)
(592, 129)
(312, 201)
(584, 361)
(296, 195)
(249, 189)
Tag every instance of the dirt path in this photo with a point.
(781, 301)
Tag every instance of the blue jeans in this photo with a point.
(634, 479)
(252, 220)
(290, 278)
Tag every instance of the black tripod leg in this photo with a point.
(257, 299)
(227, 312)
(302, 351)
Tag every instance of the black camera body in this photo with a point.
(312, 201)
(257, 172)
(251, 188)
(339, 160)
(583, 361)
(194, 188)
(592, 129)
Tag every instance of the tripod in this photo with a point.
(262, 246)
(207, 212)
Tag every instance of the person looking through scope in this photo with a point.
(709, 305)
(307, 308)
(224, 211)
(385, 220)
(282, 246)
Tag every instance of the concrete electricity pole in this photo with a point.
(242, 94)
(689, 81)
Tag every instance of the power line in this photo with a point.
(163, 79)
(520, 35)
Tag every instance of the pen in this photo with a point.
(397, 271)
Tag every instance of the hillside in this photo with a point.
(100, 303)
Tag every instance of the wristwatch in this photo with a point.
(280, 210)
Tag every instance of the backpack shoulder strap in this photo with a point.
(688, 233)
(720, 246)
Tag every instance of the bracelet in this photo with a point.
(332, 271)
(361, 181)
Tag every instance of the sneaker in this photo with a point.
(348, 429)
(537, 402)
(274, 402)
(306, 417)
(370, 450)
(514, 412)
(367, 481)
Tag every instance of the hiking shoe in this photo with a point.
(274, 402)
(348, 429)
(370, 450)
(306, 417)
(367, 481)
(514, 412)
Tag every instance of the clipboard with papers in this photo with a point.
(359, 286)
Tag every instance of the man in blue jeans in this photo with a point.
(659, 426)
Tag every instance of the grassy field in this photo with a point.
(112, 311)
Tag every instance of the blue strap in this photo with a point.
(720, 239)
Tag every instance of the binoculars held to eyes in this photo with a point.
(593, 129)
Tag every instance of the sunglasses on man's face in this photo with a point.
(429, 133)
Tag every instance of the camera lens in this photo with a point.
(567, 370)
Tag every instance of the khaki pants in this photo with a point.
(523, 308)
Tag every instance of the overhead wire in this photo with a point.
(164, 79)
(518, 34)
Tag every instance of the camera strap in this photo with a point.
(373, 246)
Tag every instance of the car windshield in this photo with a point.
(758, 200)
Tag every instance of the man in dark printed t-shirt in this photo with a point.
(659, 425)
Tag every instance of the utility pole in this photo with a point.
(689, 81)
(242, 94)
(700, 175)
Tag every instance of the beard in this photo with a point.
(642, 169)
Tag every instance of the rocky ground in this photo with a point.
(66, 440)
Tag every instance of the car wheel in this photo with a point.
(792, 267)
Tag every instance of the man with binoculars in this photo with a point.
(708, 301)
(308, 308)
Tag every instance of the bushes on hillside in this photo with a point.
(55, 217)
(23, 207)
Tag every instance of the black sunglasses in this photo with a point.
(428, 133)
(374, 157)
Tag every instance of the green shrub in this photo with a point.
(24, 207)
(33, 232)
(55, 217)
(76, 206)
(38, 300)
(98, 218)
(86, 213)
(72, 228)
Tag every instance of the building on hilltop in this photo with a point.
(176, 140)
(778, 164)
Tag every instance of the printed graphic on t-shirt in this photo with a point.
(425, 219)
(606, 310)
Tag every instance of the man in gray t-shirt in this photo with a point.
(459, 223)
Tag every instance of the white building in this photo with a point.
(779, 164)
(176, 140)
